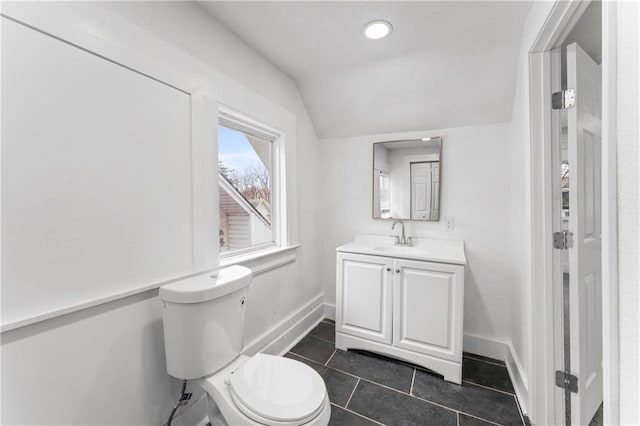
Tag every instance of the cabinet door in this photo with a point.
(364, 296)
(428, 305)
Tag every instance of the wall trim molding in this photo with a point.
(33, 319)
(502, 351)
(610, 289)
(518, 378)
(330, 311)
(284, 335)
(109, 37)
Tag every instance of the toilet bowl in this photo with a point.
(268, 390)
(203, 318)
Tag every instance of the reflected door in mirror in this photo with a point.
(425, 187)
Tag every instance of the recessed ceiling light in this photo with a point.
(377, 29)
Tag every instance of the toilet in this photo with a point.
(203, 319)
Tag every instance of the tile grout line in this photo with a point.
(358, 414)
(335, 369)
(452, 409)
(479, 418)
(422, 399)
(352, 392)
(457, 418)
(488, 387)
(413, 378)
(308, 359)
(322, 339)
(404, 393)
(497, 363)
(326, 341)
(520, 411)
(330, 358)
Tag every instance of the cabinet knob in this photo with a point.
(397, 270)
(388, 268)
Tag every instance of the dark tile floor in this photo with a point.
(369, 389)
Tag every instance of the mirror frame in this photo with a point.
(373, 175)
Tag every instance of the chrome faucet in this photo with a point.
(401, 240)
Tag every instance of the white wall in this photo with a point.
(103, 365)
(76, 205)
(190, 28)
(475, 177)
(628, 135)
(106, 364)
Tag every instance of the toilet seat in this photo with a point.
(277, 391)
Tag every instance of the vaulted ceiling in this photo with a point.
(446, 64)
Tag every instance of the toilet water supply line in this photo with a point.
(175, 407)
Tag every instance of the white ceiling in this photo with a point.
(446, 64)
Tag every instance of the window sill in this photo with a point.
(264, 260)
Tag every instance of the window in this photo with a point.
(248, 205)
(385, 196)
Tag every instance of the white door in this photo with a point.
(421, 190)
(364, 296)
(585, 277)
(427, 308)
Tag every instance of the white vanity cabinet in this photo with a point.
(404, 308)
(427, 308)
(365, 295)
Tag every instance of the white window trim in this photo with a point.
(245, 124)
(260, 261)
(207, 113)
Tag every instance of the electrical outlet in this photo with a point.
(449, 224)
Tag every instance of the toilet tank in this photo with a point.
(203, 318)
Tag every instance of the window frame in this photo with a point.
(207, 105)
(384, 213)
(238, 121)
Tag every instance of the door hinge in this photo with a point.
(566, 380)
(563, 99)
(562, 240)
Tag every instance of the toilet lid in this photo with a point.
(277, 389)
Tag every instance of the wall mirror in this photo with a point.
(406, 179)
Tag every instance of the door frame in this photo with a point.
(547, 400)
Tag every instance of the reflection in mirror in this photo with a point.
(406, 179)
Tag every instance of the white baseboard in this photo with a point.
(518, 378)
(330, 311)
(486, 347)
(502, 351)
(284, 335)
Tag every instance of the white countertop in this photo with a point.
(443, 251)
